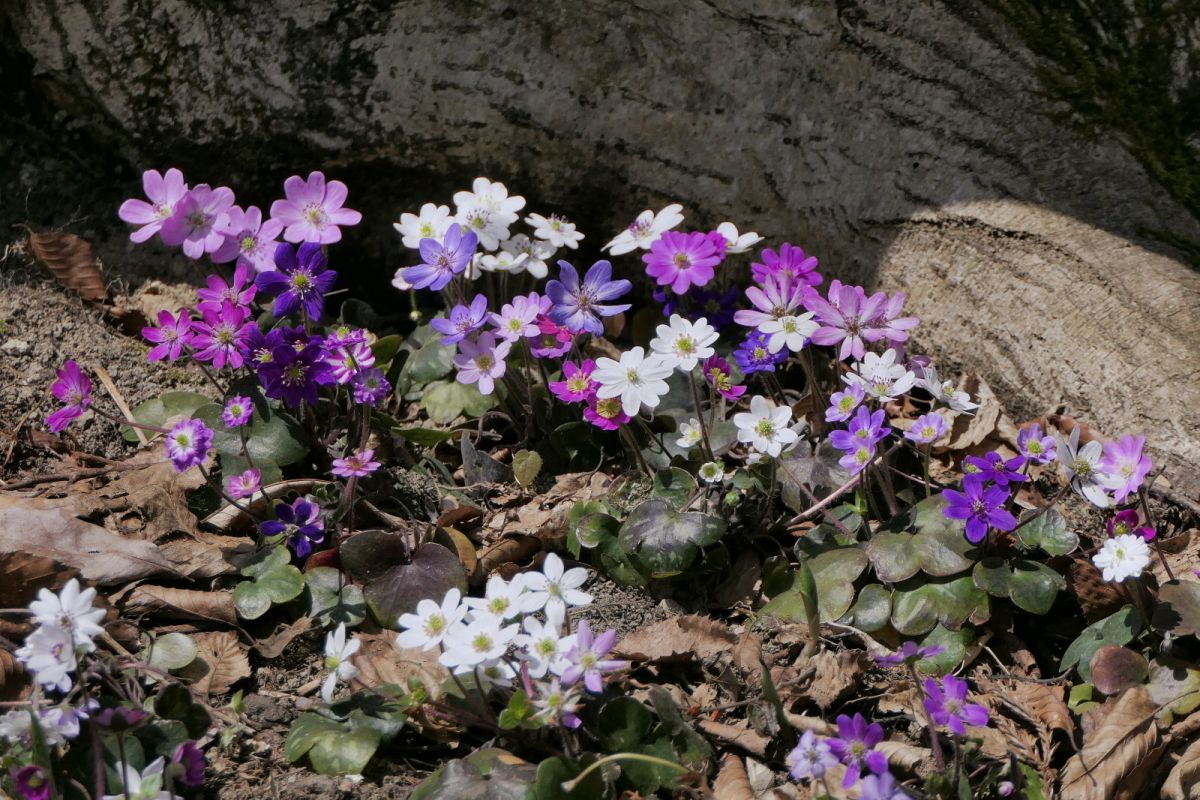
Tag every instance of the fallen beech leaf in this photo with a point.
(71, 260)
(205, 555)
(379, 661)
(1183, 782)
(183, 603)
(12, 678)
(1113, 752)
(969, 431)
(732, 782)
(906, 756)
(30, 526)
(513, 548)
(274, 645)
(225, 658)
(1182, 553)
(741, 736)
(156, 493)
(836, 675)
(678, 638)
(1044, 703)
(22, 575)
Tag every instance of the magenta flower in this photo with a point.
(579, 305)
(790, 262)
(1128, 522)
(237, 411)
(926, 429)
(300, 280)
(981, 505)
(577, 384)
(994, 469)
(481, 361)
(845, 318)
(198, 220)
(441, 261)
(218, 291)
(587, 658)
(946, 703)
(681, 260)
(358, 464)
(717, 374)
(188, 761)
(552, 340)
(170, 336)
(854, 746)
(249, 239)
(889, 324)
(31, 782)
(165, 192)
(347, 360)
(1034, 446)
(909, 653)
(606, 414)
(223, 336)
(1125, 460)
(188, 443)
(370, 387)
(462, 321)
(313, 209)
(518, 319)
(778, 297)
(243, 485)
(74, 390)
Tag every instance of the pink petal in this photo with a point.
(345, 216)
(335, 195)
(145, 232)
(154, 185)
(137, 212)
(286, 212)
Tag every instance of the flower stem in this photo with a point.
(936, 744)
(637, 452)
(216, 484)
(925, 463)
(1145, 498)
(700, 415)
(569, 786)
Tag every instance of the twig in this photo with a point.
(118, 399)
(71, 477)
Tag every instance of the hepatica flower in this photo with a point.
(74, 390)
(249, 239)
(790, 262)
(552, 340)
(441, 261)
(644, 231)
(428, 627)
(981, 505)
(765, 427)
(519, 319)
(295, 375)
(776, 298)
(1128, 521)
(312, 209)
(430, 223)
(865, 427)
(717, 374)
(243, 484)
(993, 468)
(237, 411)
(1037, 448)
(522, 254)
(1084, 469)
(358, 464)
(338, 652)
(1125, 461)
(684, 343)
(164, 192)
(843, 403)
(588, 660)
(554, 229)
(188, 443)
(73, 609)
(346, 360)
(854, 746)
(1121, 557)
(482, 361)
(753, 355)
(222, 335)
(790, 331)
(844, 318)
(300, 280)
(462, 320)
(579, 305)
(810, 758)
(172, 334)
(909, 653)
(927, 429)
(946, 702)
(300, 521)
(682, 260)
(370, 387)
(606, 413)
(637, 379)
(943, 392)
(577, 384)
(198, 220)
(487, 210)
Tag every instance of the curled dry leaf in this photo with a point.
(512, 549)
(1183, 782)
(678, 639)
(71, 260)
(1108, 765)
(836, 675)
(741, 736)
(221, 662)
(169, 601)
(379, 661)
(205, 555)
(908, 758)
(274, 645)
(732, 782)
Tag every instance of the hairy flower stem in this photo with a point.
(884, 477)
(700, 415)
(637, 452)
(925, 464)
(569, 786)
(1134, 588)
(1145, 499)
(935, 743)
(814, 387)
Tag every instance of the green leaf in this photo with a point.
(1174, 685)
(275, 580)
(282, 583)
(1179, 608)
(594, 529)
(333, 600)
(170, 651)
(306, 731)
(834, 572)
(430, 359)
(266, 560)
(873, 608)
(426, 437)
(444, 401)
(553, 772)
(1048, 531)
(1120, 628)
(674, 485)
(279, 440)
(958, 646)
(918, 606)
(1081, 699)
(158, 410)
(526, 466)
(385, 349)
(623, 723)
(665, 540)
(899, 556)
(817, 470)
(433, 572)
(251, 600)
(175, 702)
(344, 753)
(1030, 585)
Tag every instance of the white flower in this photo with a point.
(428, 627)
(1121, 557)
(555, 587)
(712, 472)
(791, 331)
(500, 599)
(17, 728)
(637, 379)
(943, 392)
(431, 223)
(62, 721)
(645, 230)
(1082, 468)
(556, 230)
(71, 609)
(542, 645)
(483, 639)
(144, 785)
(881, 377)
(690, 434)
(685, 343)
(494, 672)
(49, 653)
(501, 261)
(529, 255)
(399, 282)
(765, 427)
(337, 661)
(737, 244)
(488, 211)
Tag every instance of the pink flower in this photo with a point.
(244, 485)
(74, 390)
(250, 240)
(198, 220)
(164, 192)
(313, 209)
(1126, 522)
(845, 318)
(777, 297)
(237, 411)
(606, 414)
(790, 262)
(173, 333)
(717, 373)
(577, 384)
(682, 260)
(359, 464)
(1124, 460)
(889, 324)
(552, 340)
(240, 292)
(481, 361)
(222, 336)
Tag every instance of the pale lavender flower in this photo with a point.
(249, 239)
(909, 653)
(313, 209)
(165, 192)
(518, 320)
(1124, 460)
(441, 261)
(811, 757)
(927, 428)
(845, 318)
(587, 658)
(843, 403)
(482, 361)
(1034, 446)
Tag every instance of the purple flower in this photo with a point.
(74, 390)
(753, 355)
(198, 220)
(577, 384)
(295, 375)
(441, 261)
(237, 411)
(190, 762)
(243, 485)
(300, 522)
(982, 506)
(681, 260)
(854, 747)
(313, 209)
(346, 361)
(843, 403)
(716, 305)
(240, 292)
(370, 387)
(482, 361)
(845, 318)
(864, 428)
(946, 703)
(1126, 522)
(463, 320)
(717, 373)
(120, 718)
(909, 653)
(170, 336)
(579, 306)
(165, 192)
(927, 428)
(811, 758)
(881, 787)
(344, 336)
(259, 345)
(889, 324)
(1125, 460)
(552, 340)
(790, 262)
(188, 443)
(587, 658)
(1034, 446)
(223, 336)
(778, 297)
(858, 457)
(606, 414)
(250, 240)
(300, 280)
(358, 464)
(31, 781)
(994, 469)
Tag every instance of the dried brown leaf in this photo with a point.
(837, 674)
(1182, 553)
(169, 601)
(205, 555)
(1183, 782)
(71, 260)
(512, 549)
(274, 645)
(741, 736)
(13, 679)
(226, 661)
(907, 757)
(678, 639)
(732, 782)
(22, 575)
(1114, 751)
(1097, 597)
(379, 661)
(1044, 703)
